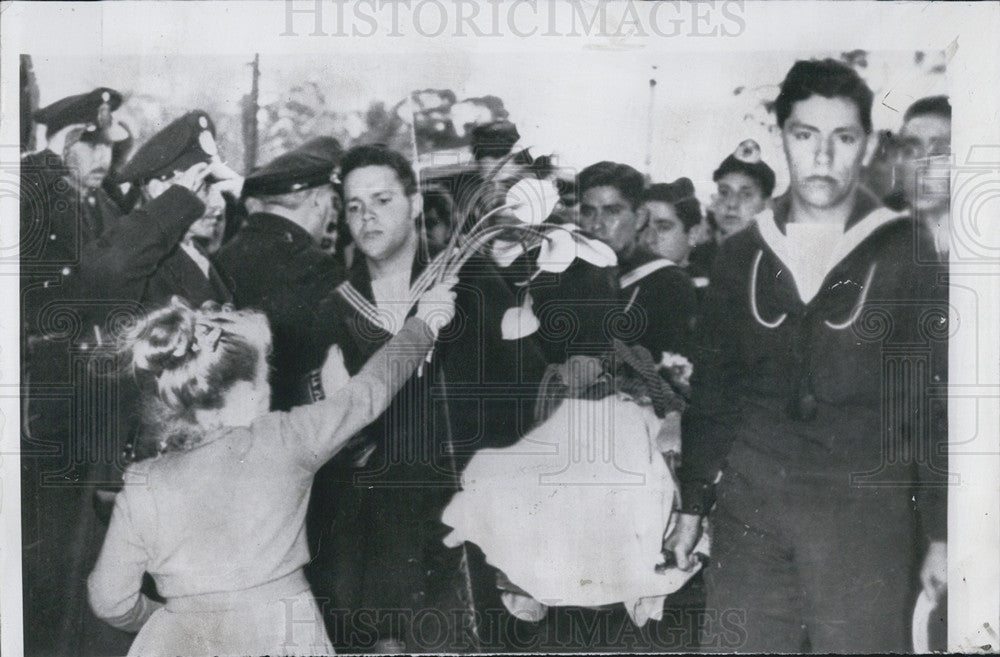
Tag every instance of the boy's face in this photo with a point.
(825, 144)
(380, 215)
(609, 216)
(739, 199)
(925, 147)
(664, 233)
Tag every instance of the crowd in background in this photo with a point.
(112, 230)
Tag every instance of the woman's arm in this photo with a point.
(113, 586)
(318, 431)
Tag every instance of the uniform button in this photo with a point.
(90, 199)
(65, 271)
(52, 237)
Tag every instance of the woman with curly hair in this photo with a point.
(217, 516)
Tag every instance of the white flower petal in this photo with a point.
(519, 322)
(534, 200)
(595, 252)
(558, 251)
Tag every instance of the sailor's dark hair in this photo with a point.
(828, 78)
(375, 155)
(929, 106)
(622, 177)
(680, 195)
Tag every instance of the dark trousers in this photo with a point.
(803, 561)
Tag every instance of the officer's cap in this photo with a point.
(309, 165)
(92, 110)
(187, 141)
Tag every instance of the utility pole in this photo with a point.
(250, 109)
(649, 124)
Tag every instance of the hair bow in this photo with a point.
(207, 336)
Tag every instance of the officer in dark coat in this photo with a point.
(159, 251)
(63, 202)
(275, 262)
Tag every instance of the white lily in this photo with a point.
(594, 251)
(520, 321)
(533, 200)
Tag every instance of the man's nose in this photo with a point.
(824, 151)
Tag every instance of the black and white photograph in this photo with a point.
(514, 327)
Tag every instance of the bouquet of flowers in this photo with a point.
(506, 232)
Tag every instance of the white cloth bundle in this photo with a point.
(575, 512)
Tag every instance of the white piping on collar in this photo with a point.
(849, 240)
(642, 271)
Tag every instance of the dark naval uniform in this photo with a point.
(822, 417)
(67, 443)
(660, 302)
(141, 259)
(384, 551)
(275, 266)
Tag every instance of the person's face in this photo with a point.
(609, 216)
(204, 229)
(664, 233)
(88, 163)
(739, 199)
(925, 150)
(380, 215)
(825, 144)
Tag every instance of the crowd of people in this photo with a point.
(252, 404)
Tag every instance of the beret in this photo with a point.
(185, 142)
(747, 160)
(92, 110)
(494, 139)
(310, 165)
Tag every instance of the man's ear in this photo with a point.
(416, 205)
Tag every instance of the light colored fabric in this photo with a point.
(392, 296)
(810, 245)
(642, 271)
(820, 259)
(291, 625)
(574, 513)
(227, 518)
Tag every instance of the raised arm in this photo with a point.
(134, 248)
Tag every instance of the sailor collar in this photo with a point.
(781, 246)
(642, 271)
